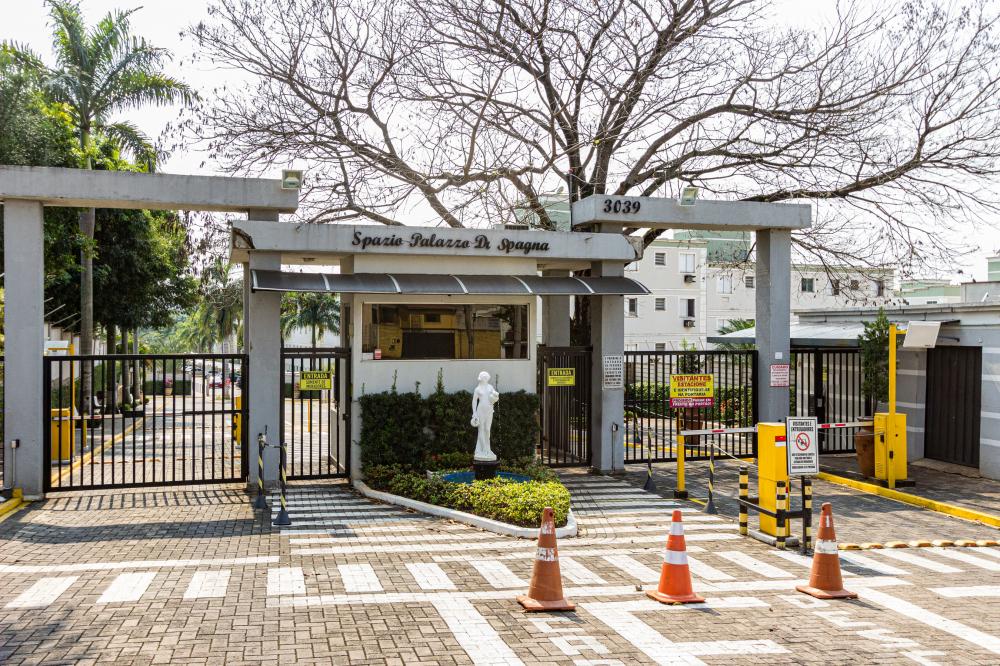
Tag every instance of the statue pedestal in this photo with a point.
(485, 469)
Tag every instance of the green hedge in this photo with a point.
(507, 501)
(155, 387)
(407, 429)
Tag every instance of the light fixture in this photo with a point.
(291, 179)
(688, 195)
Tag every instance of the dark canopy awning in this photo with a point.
(403, 283)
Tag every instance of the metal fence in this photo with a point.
(564, 408)
(651, 426)
(152, 419)
(316, 423)
(826, 383)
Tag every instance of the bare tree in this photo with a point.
(887, 117)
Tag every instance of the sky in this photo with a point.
(162, 22)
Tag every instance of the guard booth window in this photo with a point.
(401, 331)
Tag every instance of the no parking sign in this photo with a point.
(803, 446)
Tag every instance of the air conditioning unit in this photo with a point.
(689, 323)
(689, 279)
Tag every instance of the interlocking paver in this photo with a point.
(225, 587)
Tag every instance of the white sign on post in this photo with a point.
(802, 445)
(614, 372)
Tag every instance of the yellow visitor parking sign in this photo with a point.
(316, 380)
(692, 391)
(561, 376)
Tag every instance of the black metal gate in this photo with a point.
(651, 425)
(316, 412)
(826, 383)
(154, 419)
(564, 387)
(954, 400)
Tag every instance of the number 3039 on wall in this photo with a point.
(621, 206)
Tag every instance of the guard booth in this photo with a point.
(421, 305)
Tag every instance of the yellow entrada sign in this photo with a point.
(562, 376)
(316, 380)
(692, 391)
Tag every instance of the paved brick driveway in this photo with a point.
(190, 575)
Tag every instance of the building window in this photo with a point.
(835, 287)
(632, 307)
(660, 304)
(661, 346)
(748, 281)
(725, 284)
(660, 259)
(403, 331)
(686, 262)
(687, 307)
(880, 287)
(807, 285)
(855, 285)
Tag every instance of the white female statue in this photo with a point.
(483, 399)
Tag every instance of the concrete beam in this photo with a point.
(607, 338)
(24, 332)
(158, 191)
(659, 213)
(263, 345)
(322, 241)
(774, 260)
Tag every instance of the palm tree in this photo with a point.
(100, 71)
(318, 312)
(732, 326)
(220, 314)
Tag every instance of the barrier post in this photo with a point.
(772, 464)
(807, 509)
(261, 501)
(780, 509)
(710, 506)
(745, 496)
(681, 490)
(283, 518)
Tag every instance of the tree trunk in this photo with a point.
(87, 224)
(136, 395)
(110, 372)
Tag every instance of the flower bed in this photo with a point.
(516, 503)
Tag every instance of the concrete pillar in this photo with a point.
(774, 271)
(263, 344)
(24, 328)
(607, 337)
(555, 316)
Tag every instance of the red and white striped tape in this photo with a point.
(849, 424)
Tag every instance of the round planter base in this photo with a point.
(485, 469)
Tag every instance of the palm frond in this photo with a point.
(133, 89)
(129, 139)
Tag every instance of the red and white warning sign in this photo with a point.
(803, 449)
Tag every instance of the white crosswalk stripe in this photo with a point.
(702, 570)
(43, 592)
(969, 591)
(430, 576)
(855, 558)
(753, 564)
(208, 584)
(917, 560)
(498, 574)
(802, 560)
(633, 568)
(285, 580)
(127, 587)
(575, 572)
(961, 556)
(359, 578)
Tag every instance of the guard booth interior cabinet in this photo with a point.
(954, 401)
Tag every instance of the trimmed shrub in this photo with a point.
(434, 432)
(180, 386)
(499, 499)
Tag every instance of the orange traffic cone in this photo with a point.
(545, 592)
(825, 581)
(675, 577)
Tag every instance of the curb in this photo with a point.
(11, 505)
(922, 543)
(569, 530)
(914, 500)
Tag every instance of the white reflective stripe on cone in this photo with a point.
(677, 529)
(546, 555)
(826, 547)
(675, 557)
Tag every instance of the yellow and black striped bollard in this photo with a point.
(261, 501)
(781, 520)
(807, 508)
(745, 497)
(283, 518)
(710, 505)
